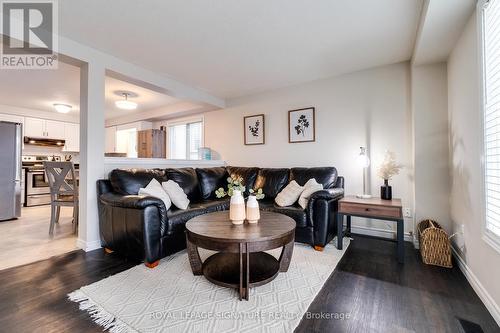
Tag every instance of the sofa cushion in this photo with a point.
(129, 181)
(272, 181)
(187, 180)
(326, 176)
(295, 212)
(177, 218)
(216, 205)
(249, 175)
(210, 179)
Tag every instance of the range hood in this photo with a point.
(43, 142)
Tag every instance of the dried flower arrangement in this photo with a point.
(389, 167)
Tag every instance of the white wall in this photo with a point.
(430, 128)
(367, 108)
(465, 148)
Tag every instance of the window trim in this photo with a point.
(490, 238)
(185, 121)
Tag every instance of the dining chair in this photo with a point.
(63, 191)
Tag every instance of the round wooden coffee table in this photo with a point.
(240, 262)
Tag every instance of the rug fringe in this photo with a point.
(99, 316)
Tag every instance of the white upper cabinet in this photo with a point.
(41, 128)
(34, 127)
(72, 137)
(54, 129)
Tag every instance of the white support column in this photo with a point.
(92, 77)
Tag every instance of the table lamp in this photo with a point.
(364, 162)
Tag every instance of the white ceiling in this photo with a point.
(234, 48)
(40, 89)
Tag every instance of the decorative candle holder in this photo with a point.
(253, 212)
(237, 208)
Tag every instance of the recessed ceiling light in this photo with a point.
(125, 104)
(62, 108)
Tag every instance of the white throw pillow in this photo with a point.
(309, 188)
(176, 194)
(289, 195)
(154, 189)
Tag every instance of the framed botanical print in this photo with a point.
(254, 130)
(301, 125)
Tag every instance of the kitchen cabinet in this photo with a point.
(34, 127)
(151, 143)
(41, 128)
(72, 137)
(110, 140)
(54, 129)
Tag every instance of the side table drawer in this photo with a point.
(369, 210)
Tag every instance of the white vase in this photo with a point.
(253, 212)
(237, 208)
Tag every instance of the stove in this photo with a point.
(37, 190)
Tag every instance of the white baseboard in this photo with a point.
(377, 232)
(483, 294)
(88, 246)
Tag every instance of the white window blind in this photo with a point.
(184, 140)
(491, 66)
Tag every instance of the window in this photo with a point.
(185, 139)
(491, 117)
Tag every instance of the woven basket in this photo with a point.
(434, 244)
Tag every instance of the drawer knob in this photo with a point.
(367, 209)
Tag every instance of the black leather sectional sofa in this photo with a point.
(141, 227)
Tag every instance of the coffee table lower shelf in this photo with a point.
(228, 269)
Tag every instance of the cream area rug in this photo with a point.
(169, 298)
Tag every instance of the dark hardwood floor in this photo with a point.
(369, 288)
(380, 295)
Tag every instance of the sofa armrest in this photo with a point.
(132, 224)
(131, 201)
(327, 194)
(321, 209)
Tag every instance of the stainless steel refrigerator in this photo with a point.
(10, 170)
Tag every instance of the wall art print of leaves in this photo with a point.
(301, 125)
(254, 129)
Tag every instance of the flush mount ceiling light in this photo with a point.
(62, 108)
(125, 104)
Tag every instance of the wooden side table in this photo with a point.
(373, 208)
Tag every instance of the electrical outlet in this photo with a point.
(462, 229)
(407, 212)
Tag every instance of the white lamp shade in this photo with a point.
(363, 160)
